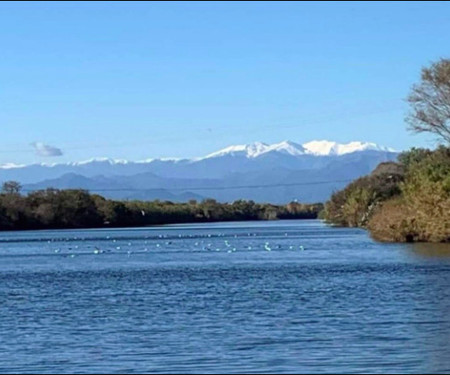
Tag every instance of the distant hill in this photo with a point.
(308, 173)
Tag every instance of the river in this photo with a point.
(272, 297)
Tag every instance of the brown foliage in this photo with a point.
(423, 212)
(354, 205)
(393, 221)
(409, 201)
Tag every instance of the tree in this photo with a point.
(414, 155)
(430, 101)
(422, 211)
(11, 187)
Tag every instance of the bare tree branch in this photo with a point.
(430, 101)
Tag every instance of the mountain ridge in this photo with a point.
(276, 173)
(252, 150)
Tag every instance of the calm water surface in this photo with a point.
(287, 296)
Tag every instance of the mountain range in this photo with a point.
(276, 173)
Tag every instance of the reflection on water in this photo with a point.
(274, 297)
(435, 250)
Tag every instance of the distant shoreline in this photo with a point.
(53, 209)
(165, 225)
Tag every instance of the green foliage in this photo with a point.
(415, 155)
(62, 209)
(353, 205)
(408, 201)
(426, 192)
(53, 208)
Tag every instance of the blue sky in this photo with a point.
(143, 80)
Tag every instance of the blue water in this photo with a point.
(272, 297)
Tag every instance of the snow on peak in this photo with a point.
(152, 160)
(327, 148)
(256, 149)
(11, 166)
(100, 160)
(318, 148)
(287, 147)
(251, 150)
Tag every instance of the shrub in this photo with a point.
(354, 205)
(405, 201)
(393, 221)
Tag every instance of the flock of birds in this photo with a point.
(208, 243)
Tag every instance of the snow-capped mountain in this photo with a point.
(318, 148)
(257, 149)
(307, 172)
(327, 148)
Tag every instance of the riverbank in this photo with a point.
(71, 209)
(407, 201)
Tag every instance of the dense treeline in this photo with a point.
(59, 209)
(404, 201)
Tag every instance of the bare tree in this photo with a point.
(430, 101)
(11, 187)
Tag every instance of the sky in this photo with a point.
(181, 79)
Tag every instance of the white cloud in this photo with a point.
(42, 149)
